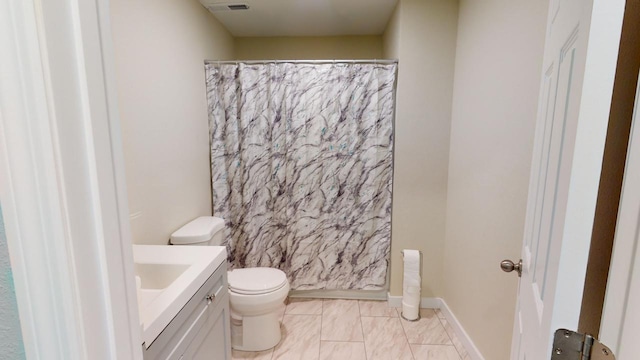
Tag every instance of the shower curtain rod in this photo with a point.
(369, 61)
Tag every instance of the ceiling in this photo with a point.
(303, 17)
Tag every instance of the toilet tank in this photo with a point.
(205, 230)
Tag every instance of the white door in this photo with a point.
(576, 84)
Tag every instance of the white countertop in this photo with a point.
(159, 303)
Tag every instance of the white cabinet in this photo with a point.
(201, 330)
(211, 338)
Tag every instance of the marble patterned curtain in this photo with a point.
(302, 166)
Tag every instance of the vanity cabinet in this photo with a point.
(201, 330)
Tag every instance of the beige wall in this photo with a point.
(391, 36)
(422, 35)
(160, 47)
(305, 48)
(498, 63)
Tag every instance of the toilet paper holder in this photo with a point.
(401, 314)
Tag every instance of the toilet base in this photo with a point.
(259, 333)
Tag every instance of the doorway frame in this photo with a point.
(614, 166)
(65, 212)
(624, 262)
(117, 328)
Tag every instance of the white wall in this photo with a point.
(305, 48)
(422, 36)
(160, 48)
(497, 71)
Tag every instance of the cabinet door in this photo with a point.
(195, 318)
(212, 341)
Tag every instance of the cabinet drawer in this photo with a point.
(174, 339)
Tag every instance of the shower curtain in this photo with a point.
(301, 168)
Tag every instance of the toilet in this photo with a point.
(255, 294)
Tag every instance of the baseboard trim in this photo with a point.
(438, 303)
(339, 294)
(473, 351)
(425, 303)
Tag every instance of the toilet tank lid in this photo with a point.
(198, 230)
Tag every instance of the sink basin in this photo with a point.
(159, 276)
(154, 278)
(170, 276)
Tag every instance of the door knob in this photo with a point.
(509, 266)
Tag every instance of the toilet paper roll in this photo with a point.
(411, 279)
(411, 260)
(412, 291)
(411, 285)
(410, 312)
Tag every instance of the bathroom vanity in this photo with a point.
(183, 302)
(201, 330)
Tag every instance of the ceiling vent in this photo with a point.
(238, 7)
(227, 7)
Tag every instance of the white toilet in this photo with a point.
(255, 294)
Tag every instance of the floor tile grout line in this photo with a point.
(339, 313)
(450, 333)
(450, 337)
(434, 345)
(321, 324)
(404, 331)
(360, 321)
(273, 349)
(306, 312)
(366, 355)
(429, 320)
(342, 341)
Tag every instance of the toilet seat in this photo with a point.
(256, 281)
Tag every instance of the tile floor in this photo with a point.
(316, 329)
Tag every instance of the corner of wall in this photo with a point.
(160, 49)
(391, 35)
(423, 121)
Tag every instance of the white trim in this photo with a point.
(110, 173)
(62, 184)
(439, 303)
(30, 195)
(473, 351)
(395, 301)
(425, 302)
(430, 303)
(338, 294)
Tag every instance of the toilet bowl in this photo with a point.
(255, 294)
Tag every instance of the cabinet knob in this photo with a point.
(210, 298)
